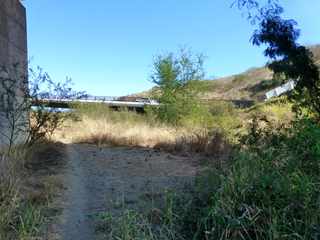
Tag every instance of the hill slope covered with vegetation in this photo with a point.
(249, 85)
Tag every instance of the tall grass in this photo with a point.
(97, 124)
(24, 193)
(270, 190)
(18, 218)
(153, 224)
(121, 128)
(267, 187)
(8, 194)
(278, 110)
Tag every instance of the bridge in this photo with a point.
(137, 104)
(131, 103)
(285, 88)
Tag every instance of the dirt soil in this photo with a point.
(108, 180)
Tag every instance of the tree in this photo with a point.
(177, 77)
(45, 120)
(288, 58)
(258, 10)
(291, 60)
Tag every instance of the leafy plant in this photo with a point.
(270, 191)
(290, 60)
(177, 78)
(21, 122)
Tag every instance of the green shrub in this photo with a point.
(19, 218)
(270, 192)
(218, 108)
(226, 118)
(9, 200)
(91, 109)
(155, 224)
(178, 78)
(102, 111)
(28, 221)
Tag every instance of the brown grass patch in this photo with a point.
(105, 132)
(142, 134)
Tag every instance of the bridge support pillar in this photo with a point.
(13, 69)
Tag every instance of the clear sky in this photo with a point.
(107, 46)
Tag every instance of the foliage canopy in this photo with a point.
(177, 76)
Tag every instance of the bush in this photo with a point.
(155, 224)
(8, 194)
(218, 108)
(21, 203)
(178, 80)
(270, 192)
(44, 118)
(226, 118)
(19, 217)
(27, 117)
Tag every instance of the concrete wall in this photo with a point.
(13, 34)
(13, 52)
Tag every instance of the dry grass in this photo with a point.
(27, 185)
(42, 168)
(9, 192)
(102, 131)
(278, 110)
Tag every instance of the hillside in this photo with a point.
(249, 85)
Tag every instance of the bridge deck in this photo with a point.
(111, 103)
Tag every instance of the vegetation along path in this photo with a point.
(109, 180)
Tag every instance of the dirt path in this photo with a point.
(108, 179)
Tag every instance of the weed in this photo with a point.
(270, 190)
(156, 224)
(23, 203)
(29, 221)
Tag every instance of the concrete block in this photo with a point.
(13, 34)
(3, 23)
(15, 10)
(13, 50)
(17, 35)
(4, 50)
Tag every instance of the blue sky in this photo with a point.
(107, 47)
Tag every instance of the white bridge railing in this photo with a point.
(138, 103)
(289, 86)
